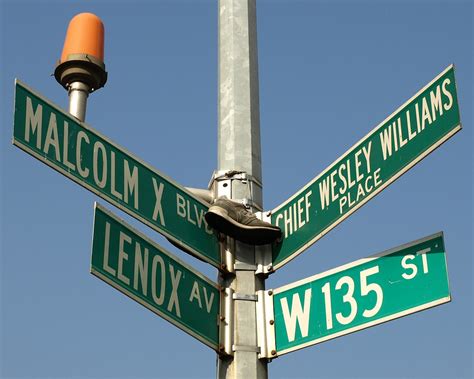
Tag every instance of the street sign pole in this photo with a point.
(245, 324)
(239, 153)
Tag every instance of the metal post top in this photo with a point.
(78, 93)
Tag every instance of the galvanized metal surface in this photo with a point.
(244, 297)
(266, 326)
(239, 146)
(78, 93)
(226, 328)
(239, 150)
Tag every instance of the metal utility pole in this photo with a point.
(239, 176)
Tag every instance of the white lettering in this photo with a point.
(180, 205)
(308, 204)
(189, 213)
(424, 258)
(112, 177)
(395, 139)
(297, 315)
(288, 222)
(300, 212)
(158, 260)
(324, 192)
(358, 163)
(425, 114)
(141, 269)
(158, 207)
(436, 103)
(209, 300)
(123, 256)
(66, 147)
(52, 138)
(366, 150)
(411, 134)
(418, 121)
(105, 264)
(403, 141)
(84, 172)
(386, 142)
(174, 300)
(409, 266)
(342, 203)
(130, 183)
(195, 294)
(334, 196)
(95, 164)
(33, 120)
(377, 179)
(343, 178)
(447, 106)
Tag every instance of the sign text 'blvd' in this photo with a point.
(82, 154)
(144, 271)
(408, 135)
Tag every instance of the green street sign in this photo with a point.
(82, 154)
(358, 295)
(403, 139)
(148, 274)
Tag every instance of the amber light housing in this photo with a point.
(82, 58)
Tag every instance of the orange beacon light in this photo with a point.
(85, 35)
(81, 69)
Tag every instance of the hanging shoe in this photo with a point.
(233, 219)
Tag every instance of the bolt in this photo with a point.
(221, 348)
(270, 293)
(273, 352)
(272, 322)
(270, 268)
(222, 318)
(223, 266)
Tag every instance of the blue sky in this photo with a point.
(329, 73)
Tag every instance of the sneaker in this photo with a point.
(234, 220)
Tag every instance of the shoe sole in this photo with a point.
(220, 220)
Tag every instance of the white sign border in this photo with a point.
(103, 195)
(420, 157)
(371, 323)
(141, 301)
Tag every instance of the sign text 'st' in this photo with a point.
(361, 294)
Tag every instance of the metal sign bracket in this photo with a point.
(226, 322)
(263, 253)
(266, 325)
(251, 349)
(222, 183)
